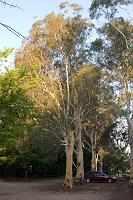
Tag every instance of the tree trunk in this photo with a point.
(26, 174)
(100, 165)
(101, 154)
(94, 160)
(80, 158)
(68, 182)
(130, 132)
(131, 166)
(94, 153)
(78, 139)
(131, 149)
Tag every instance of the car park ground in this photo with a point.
(51, 189)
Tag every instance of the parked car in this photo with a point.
(99, 177)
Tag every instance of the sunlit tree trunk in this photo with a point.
(130, 130)
(94, 153)
(78, 139)
(68, 182)
(79, 152)
(94, 161)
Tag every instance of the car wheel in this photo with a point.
(109, 180)
(88, 180)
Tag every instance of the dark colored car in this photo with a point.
(99, 177)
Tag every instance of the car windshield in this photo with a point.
(103, 174)
(96, 173)
(99, 174)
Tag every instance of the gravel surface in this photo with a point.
(51, 189)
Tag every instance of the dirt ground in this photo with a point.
(51, 189)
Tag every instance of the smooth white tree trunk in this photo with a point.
(94, 161)
(80, 157)
(94, 153)
(68, 182)
(131, 149)
(78, 140)
(129, 117)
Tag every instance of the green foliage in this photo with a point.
(65, 7)
(116, 162)
(41, 150)
(5, 53)
(113, 51)
(4, 56)
(115, 141)
(106, 7)
(17, 110)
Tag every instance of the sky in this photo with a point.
(22, 20)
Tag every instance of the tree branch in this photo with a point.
(11, 5)
(113, 24)
(12, 30)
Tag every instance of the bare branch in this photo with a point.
(126, 41)
(88, 144)
(45, 129)
(74, 150)
(53, 96)
(74, 165)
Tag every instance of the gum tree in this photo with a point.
(59, 47)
